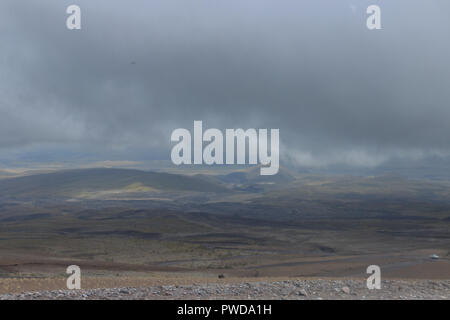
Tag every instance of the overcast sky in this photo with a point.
(138, 69)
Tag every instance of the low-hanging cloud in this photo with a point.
(338, 92)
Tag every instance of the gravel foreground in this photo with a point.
(278, 290)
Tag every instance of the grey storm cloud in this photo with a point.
(338, 92)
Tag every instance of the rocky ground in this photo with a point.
(279, 290)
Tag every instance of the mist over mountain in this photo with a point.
(341, 95)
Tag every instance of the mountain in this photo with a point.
(253, 176)
(73, 182)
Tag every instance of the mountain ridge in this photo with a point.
(74, 181)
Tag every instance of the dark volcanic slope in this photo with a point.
(253, 176)
(65, 183)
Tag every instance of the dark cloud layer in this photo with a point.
(139, 69)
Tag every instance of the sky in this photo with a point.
(139, 69)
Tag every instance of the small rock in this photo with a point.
(302, 292)
(346, 290)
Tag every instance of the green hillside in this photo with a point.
(72, 182)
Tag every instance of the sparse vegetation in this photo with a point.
(301, 226)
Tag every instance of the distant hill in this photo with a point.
(72, 182)
(253, 176)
